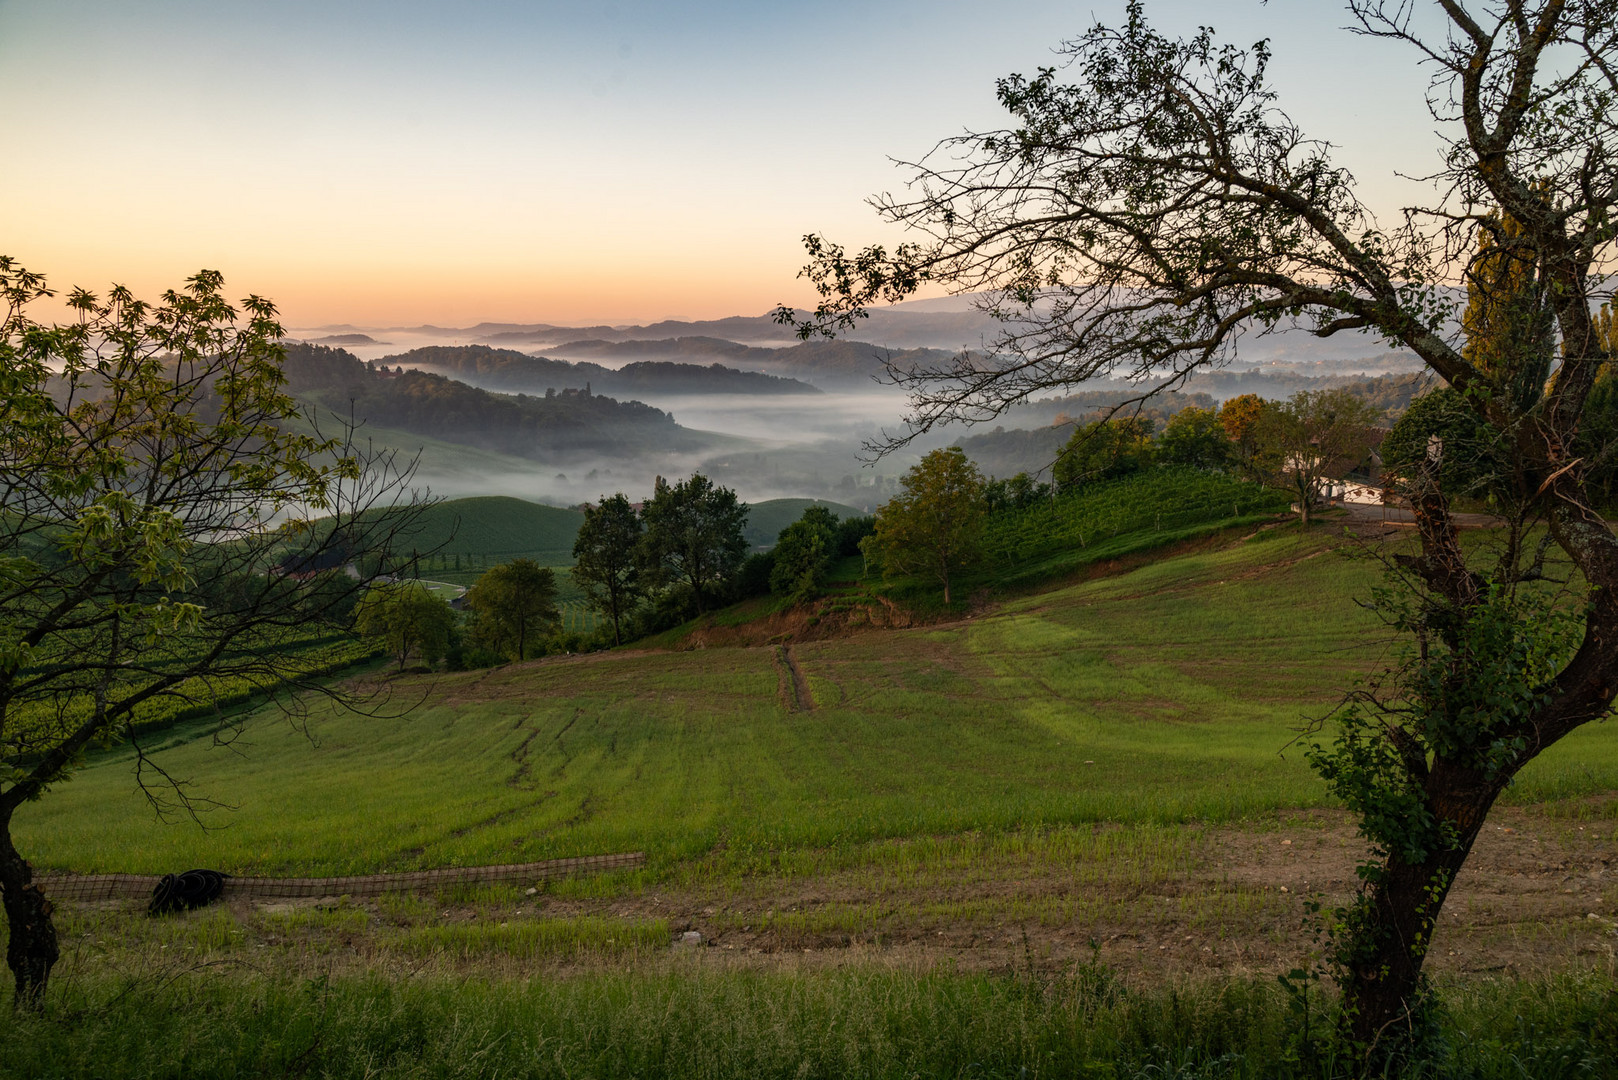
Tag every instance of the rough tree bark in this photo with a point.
(31, 949)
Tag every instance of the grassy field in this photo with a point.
(467, 536)
(1159, 696)
(1066, 835)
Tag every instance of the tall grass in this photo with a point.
(697, 1020)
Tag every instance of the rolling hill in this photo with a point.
(899, 327)
(830, 365)
(561, 427)
(460, 538)
(1066, 828)
(500, 528)
(496, 528)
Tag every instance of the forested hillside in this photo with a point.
(831, 365)
(555, 427)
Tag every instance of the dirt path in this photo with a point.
(1539, 894)
(795, 693)
(1374, 513)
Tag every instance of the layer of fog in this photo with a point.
(805, 446)
(1293, 350)
(763, 447)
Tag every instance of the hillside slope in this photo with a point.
(832, 365)
(496, 528)
(1162, 695)
(500, 528)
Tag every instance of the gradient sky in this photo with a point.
(406, 161)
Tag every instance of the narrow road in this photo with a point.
(1361, 513)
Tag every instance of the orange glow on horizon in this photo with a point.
(309, 297)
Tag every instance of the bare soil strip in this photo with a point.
(800, 682)
(794, 685)
(1539, 894)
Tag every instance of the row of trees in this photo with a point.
(684, 546)
(641, 567)
(511, 615)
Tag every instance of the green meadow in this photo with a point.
(1168, 694)
(1043, 839)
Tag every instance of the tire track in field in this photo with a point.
(525, 768)
(561, 747)
(794, 684)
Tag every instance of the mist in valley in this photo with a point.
(764, 446)
(800, 444)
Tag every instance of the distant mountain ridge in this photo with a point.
(826, 363)
(932, 328)
(887, 327)
(507, 370)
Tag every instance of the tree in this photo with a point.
(408, 617)
(1598, 428)
(606, 560)
(1194, 437)
(934, 524)
(512, 605)
(803, 552)
(1441, 431)
(1314, 436)
(1018, 493)
(694, 535)
(149, 449)
(1104, 449)
(1509, 329)
(1150, 203)
(1239, 416)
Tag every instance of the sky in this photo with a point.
(402, 162)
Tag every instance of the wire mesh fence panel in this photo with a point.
(114, 886)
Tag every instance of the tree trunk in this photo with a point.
(1382, 989)
(31, 951)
